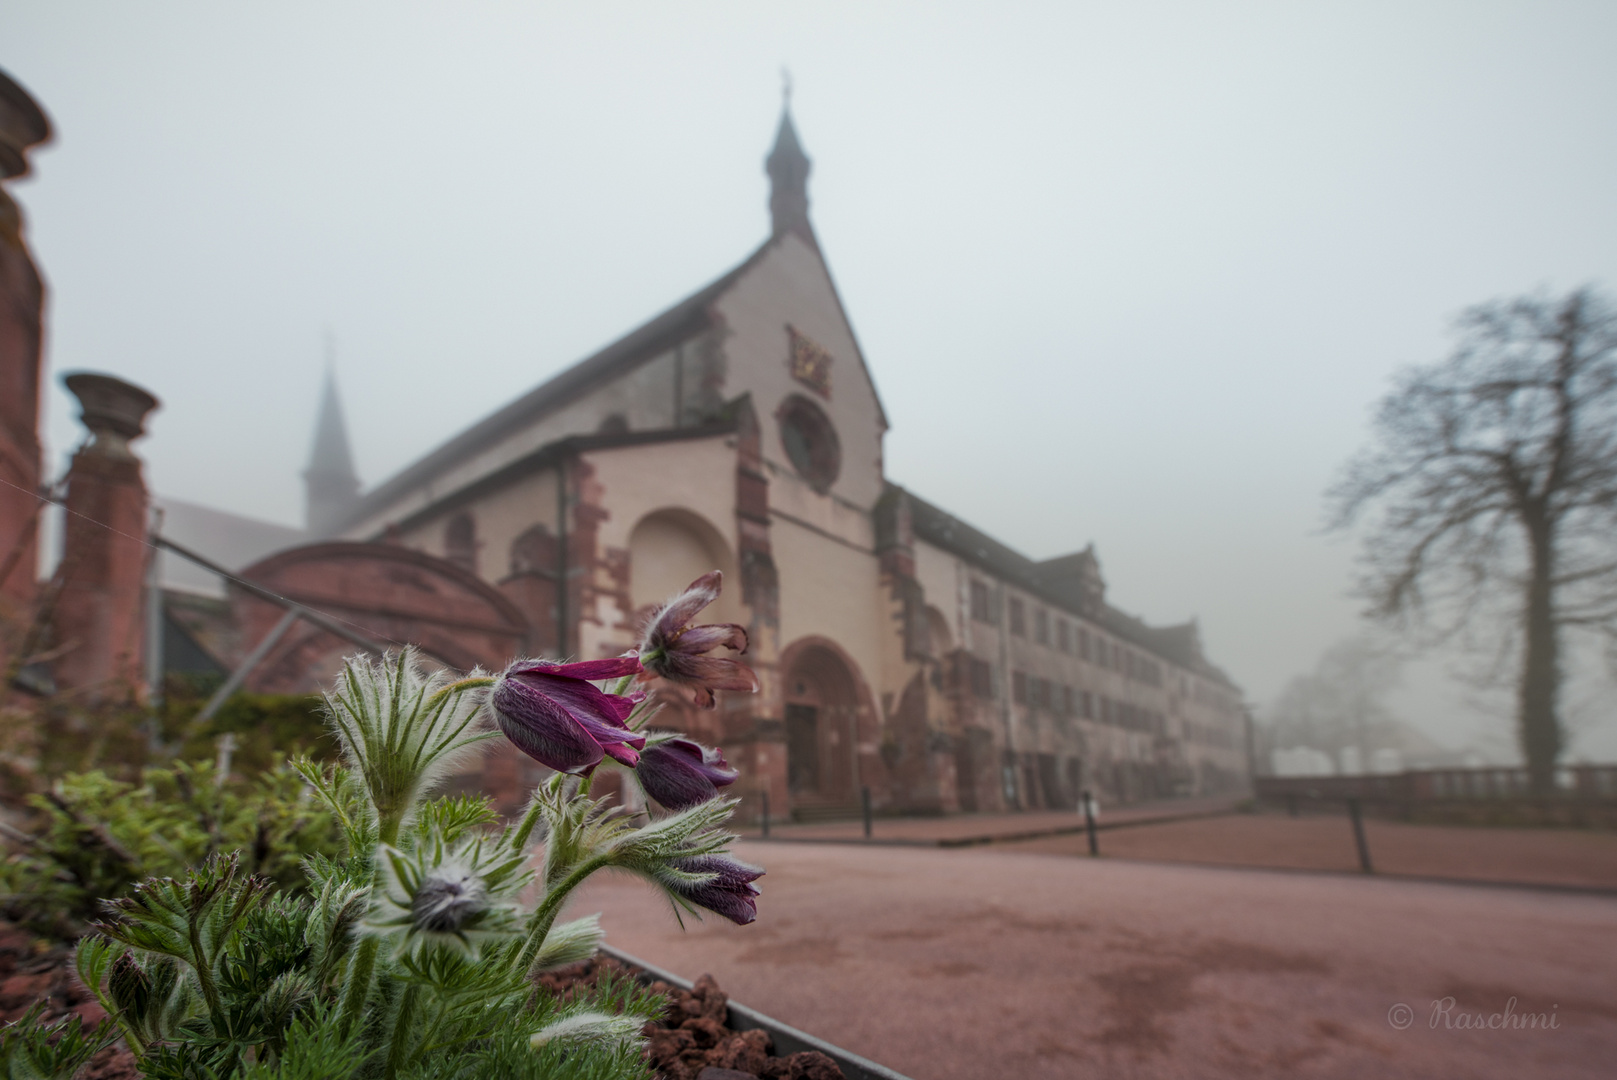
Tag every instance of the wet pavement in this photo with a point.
(982, 962)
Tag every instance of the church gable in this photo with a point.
(788, 344)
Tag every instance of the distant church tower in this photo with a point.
(330, 486)
(788, 169)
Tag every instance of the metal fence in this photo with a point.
(1591, 783)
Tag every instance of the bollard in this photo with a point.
(864, 795)
(1089, 823)
(764, 820)
(1358, 836)
(1291, 805)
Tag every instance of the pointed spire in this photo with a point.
(788, 169)
(330, 484)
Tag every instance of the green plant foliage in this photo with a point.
(94, 836)
(267, 728)
(408, 950)
(31, 1050)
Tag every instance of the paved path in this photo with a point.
(965, 829)
(980, 963)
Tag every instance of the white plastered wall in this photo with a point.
(691, 476)
(790, 285)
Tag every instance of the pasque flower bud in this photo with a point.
(447, 899)
(680, 773)
(730, 892)
(556, 715)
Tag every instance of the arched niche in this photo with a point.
(672, 547)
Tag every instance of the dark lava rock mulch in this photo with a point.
(29, 973)
(690, 1042)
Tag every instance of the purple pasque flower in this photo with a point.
(729, 893)
(556, 715)
(678, 651)
(681, 774)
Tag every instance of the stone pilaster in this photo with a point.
(98, 623)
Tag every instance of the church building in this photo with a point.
(899, 649)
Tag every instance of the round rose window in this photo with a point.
(810, 441)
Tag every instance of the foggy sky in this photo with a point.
(1127, 273)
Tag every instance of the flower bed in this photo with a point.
(705, 1036)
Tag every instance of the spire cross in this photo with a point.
(785, 87)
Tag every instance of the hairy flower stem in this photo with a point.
(545, 916)
(359, 983)
(460, 687)
(401, 1032)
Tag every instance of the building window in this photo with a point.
(1041, 626)
(460, 542)
(1083, 643)
(1018, 618)
(810, 441)
(1086, 705)
(1064, 635)
(1107, 714)
(1068, 705)
(981, 609)
(982, 678)
(1019, 687)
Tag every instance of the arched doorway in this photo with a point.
(822, 724)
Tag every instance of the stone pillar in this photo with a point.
(98, 623)
(22, 299)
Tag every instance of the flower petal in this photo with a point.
(542, 729)
(708, 636)
(577, 696)
(615, 667)
(730, 893)
(685, 607)
(716, 672)
(679, 773)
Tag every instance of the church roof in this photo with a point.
(1180, 644)
(231, 540)
(679, 323)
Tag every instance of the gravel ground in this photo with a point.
(984, 963)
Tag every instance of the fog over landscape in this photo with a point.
(1134, 276)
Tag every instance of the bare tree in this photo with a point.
(1341, 703)
(1491, 492)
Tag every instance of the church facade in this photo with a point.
(898, 648)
